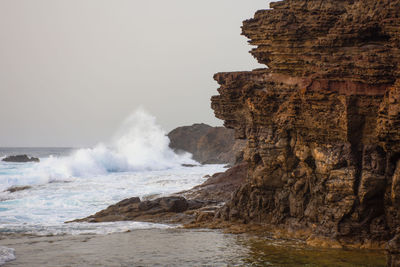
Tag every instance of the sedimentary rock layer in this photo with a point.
(322, 121)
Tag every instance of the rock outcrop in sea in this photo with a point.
(20, 158)
(207, 144)
(321, 122)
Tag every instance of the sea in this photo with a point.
(72, 183)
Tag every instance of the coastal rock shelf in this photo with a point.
(321, 122)
(196, 204)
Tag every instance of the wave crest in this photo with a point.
(139, 145)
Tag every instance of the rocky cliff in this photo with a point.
(321, 122)
(207, 144)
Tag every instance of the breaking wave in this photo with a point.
(139, 145)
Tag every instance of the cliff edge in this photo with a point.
(321, 122)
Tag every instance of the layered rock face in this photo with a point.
(322, 121)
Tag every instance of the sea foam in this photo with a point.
(139, 145)
(6, 254)
(136, 162)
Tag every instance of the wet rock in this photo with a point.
(20, 158)
(18, 188)
(128, 201)
(189, 165)
(134, 209)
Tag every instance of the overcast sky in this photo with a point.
(72, 70)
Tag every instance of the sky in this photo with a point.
(72, 70)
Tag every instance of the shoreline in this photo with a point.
(205, 213)
(178, 246)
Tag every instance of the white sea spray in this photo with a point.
(140, 145)
(136, 162)
(6, 254)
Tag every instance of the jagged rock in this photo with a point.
(134, 209)
(182, 207)
(220, 186)
(208, 145)
(20, 158)
(322, 122)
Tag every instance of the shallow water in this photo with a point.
(178, 247)
(291, 253)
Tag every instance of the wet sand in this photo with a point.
(177, 247)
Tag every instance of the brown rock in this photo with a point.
(157, 210)
(322, 122)
(220, 186)
(393, 247)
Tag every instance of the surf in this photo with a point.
(139, 145)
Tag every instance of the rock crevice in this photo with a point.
(321, 122)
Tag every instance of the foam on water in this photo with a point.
(6, 254)
(42, 209)
(137, 162)
(82, 228)
(140, 145)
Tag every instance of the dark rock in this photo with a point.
(195, 204)
(208, 145)
(128, 201)
(189, 165)
(149, 204)
(134, 209)
(185, 138)
(18, 188)
(174, 204)
(20, 158)
(220, 186)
